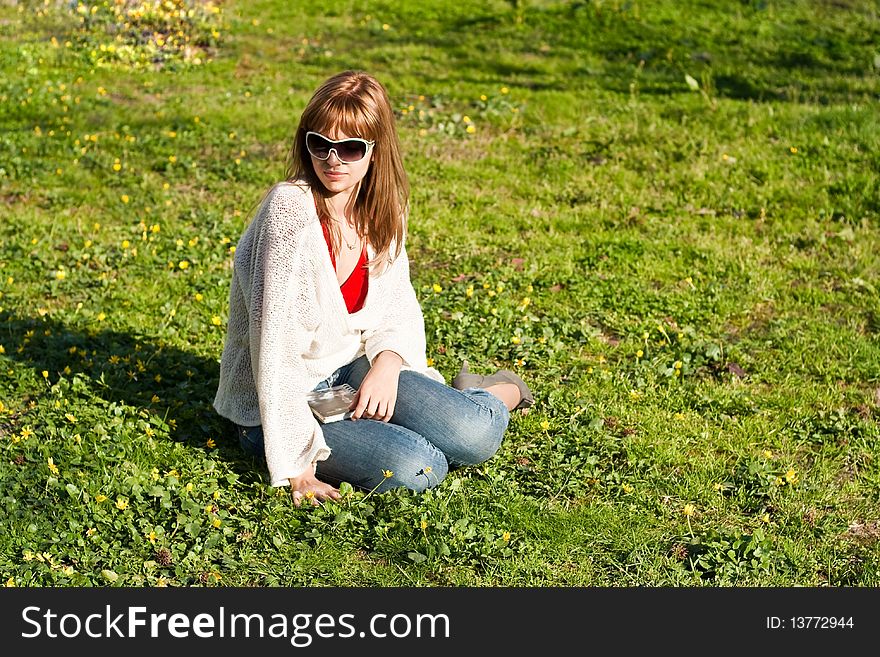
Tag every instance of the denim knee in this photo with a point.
(478, 437)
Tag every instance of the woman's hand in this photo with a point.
(377, 394)
(307, 487)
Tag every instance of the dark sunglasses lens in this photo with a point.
(351, 150)
(318, 146)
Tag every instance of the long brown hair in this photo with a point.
(357, 104)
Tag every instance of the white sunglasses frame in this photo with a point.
(369, 145)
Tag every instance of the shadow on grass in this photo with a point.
(138, 370)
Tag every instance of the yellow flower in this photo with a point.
(100, 498)
(211, 444)
(470, 129)
(627, 488)
(469, 292)
(60, 275)
(52, 467)
(70, 418)
(717, 486)
(504, 90)
(125, 198)
(91, 531)
(121, 504)
(767, 454)
(189, 487)
(516, 339)
(428, 469)
(151, 537)
(101, 317)
(437, 288)
(45, 374)
(791, 476)
(640, 353)
(217, 522)
(125, 244)
(765, 518)
(430, 362)
(545, 424)
(505, 536)
(2, 349)
(793, 149)
(635, 394)
(10, 583)
(198, 296)
(216, 494)
(183, 264)
(154, 398)
(689, 510)
(161, 582)
(172, 159)
(423, 525)
(215, 320)
(387, 474)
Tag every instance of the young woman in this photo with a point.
(321, 296)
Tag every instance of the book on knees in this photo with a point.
(331, 404)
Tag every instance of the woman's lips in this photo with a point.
(334, 175)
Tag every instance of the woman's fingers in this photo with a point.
(367, 406)
(313, 492)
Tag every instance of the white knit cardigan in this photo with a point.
(289, 328)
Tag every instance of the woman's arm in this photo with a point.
(402, 327)
(281, 300)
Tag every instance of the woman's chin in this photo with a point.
(336, 186)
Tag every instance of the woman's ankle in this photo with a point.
(507, 393)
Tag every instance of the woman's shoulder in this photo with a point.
(293, 193)
(289, 204)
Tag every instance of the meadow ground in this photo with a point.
(663, 215)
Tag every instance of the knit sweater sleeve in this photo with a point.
(281, 303)
(402, 329)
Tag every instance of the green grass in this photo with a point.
(700, 260)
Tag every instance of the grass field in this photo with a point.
(664, 215)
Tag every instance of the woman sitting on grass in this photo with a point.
(321, 296)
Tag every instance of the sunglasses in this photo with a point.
(348, 151)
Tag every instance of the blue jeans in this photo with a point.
(435, 428)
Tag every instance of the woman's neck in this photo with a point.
(343, 205)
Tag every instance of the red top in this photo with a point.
(354, 289)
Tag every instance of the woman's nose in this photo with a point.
(333, 158)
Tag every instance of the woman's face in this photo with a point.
(336, 175)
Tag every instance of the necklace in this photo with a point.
(357, 237)
(350, 246)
